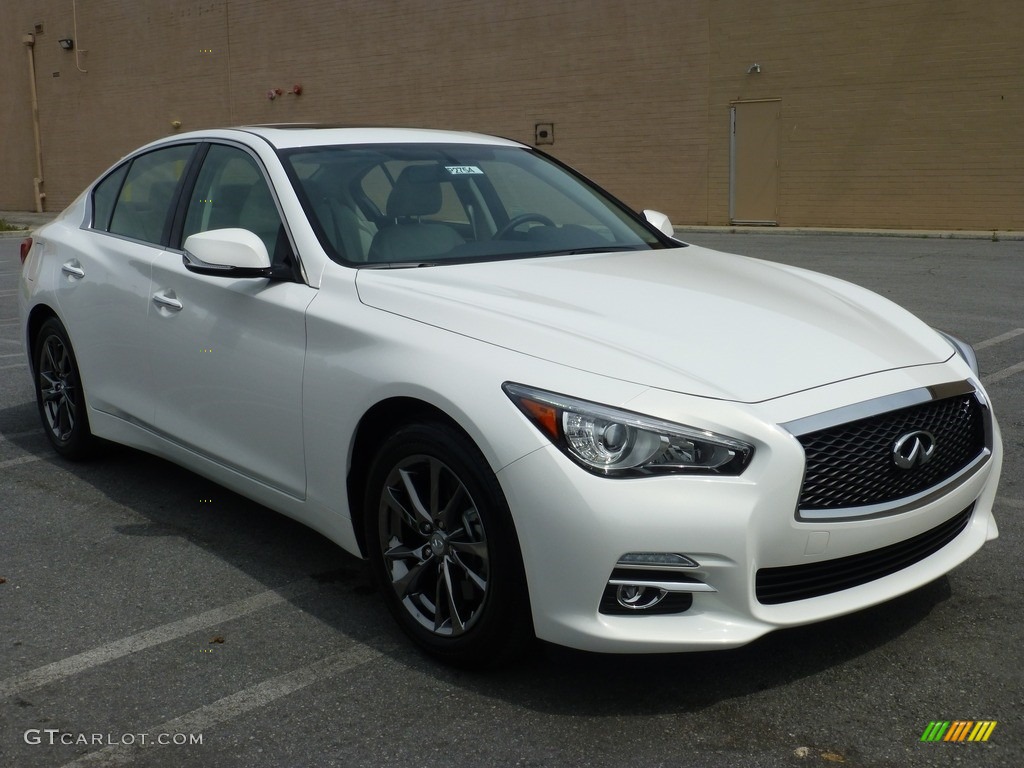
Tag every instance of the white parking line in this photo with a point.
(1003, 374)
(58, 670)
(999, 339)
(230, 707)
(15, 365)
(199, 720)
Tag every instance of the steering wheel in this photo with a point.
(518, 221)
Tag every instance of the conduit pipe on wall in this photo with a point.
(78, 47)
(37, 182)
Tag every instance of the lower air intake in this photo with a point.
(800, 582)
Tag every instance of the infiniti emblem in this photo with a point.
(914, 449)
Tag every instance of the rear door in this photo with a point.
(103, 289)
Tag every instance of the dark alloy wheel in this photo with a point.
(59, 393)
(443, 547)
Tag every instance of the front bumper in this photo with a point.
(574, 527)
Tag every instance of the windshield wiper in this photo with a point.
(611, 248)
(400, 264)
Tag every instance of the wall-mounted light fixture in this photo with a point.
(754, 69)
(67, 43)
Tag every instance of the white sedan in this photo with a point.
(531, 409)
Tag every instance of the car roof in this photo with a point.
(289, 136)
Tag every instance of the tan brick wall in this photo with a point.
(893, 114)
(901, 114)
(598, 71)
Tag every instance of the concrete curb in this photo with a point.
(28, 220)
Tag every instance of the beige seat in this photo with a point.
(417, 193)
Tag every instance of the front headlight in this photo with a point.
(616, 443)
(965, 350)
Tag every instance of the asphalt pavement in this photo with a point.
(151, 618)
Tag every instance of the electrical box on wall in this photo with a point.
(544, 133)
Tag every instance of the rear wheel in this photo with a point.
(443, 547)
(59, 393)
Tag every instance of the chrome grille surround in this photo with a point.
(850, 472)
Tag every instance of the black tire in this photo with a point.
(59, 393)
(443, 548)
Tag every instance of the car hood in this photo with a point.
(687, 319)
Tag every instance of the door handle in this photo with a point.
(167, 301)
(73, 269)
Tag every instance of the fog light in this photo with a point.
(638, 598)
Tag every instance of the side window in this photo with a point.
(145, 199)
(232, 192)
(104, 196)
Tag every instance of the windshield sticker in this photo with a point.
(463, 170)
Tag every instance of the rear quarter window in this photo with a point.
(104, 196)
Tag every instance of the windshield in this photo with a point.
(400, 204)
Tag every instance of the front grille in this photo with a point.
(799, 582)
(851, 465)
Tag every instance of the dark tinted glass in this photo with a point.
(426, 203)
(231, 191)
(144, 204)
(103, 197)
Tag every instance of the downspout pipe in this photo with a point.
(37, 183)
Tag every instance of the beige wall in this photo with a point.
(893, 114)
(899, 114)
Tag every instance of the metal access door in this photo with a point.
(754, 162)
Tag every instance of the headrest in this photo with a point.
(417, 192)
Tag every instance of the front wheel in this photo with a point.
(443, 548)
(59, 394)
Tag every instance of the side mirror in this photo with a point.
(660, 221)
(227, 253)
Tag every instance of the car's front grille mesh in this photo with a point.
(851, 465)
(799, 582)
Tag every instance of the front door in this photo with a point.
(228, 354)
